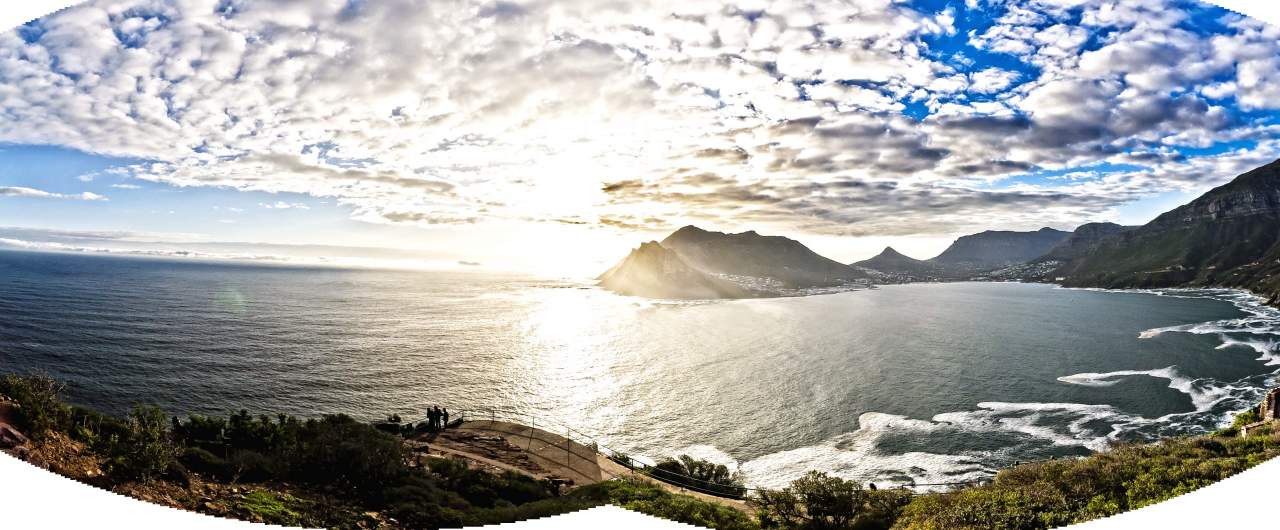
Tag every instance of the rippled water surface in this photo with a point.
(926, 383)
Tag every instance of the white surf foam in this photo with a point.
(1268, 349)
(1204, 393)
(854, 456)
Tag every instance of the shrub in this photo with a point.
(484, 489)
(270, 508)
(40, 407)
(648, 498)
(200, 430)
(251, 466)
(144, 450)
(338, 449)
(818, 501)
(204, 462)
(699, 475)
(623, 458)
(420, 503)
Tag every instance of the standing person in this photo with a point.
(431, 419)
(445, 413)
(439, 415)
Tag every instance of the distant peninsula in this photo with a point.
(693, 263)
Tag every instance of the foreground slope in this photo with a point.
(1228, 237)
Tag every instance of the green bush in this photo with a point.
(206, 463)
(340, 451)
(144, 450)
(420, 502)
(484, 489)
(200, 430)
(651, 499)
(245, 465)
(817, 501)
(40, 406)
(699, 475)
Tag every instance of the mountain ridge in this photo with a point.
(1227, 237)
(899, 266)
(994, 249)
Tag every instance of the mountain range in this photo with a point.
(967, 257)
(1228, 237)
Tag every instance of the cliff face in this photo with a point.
(996, 249)
(1251, 194)
(749, 254)
(1228, 237)
(656, 272)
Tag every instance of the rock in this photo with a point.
(10, 437)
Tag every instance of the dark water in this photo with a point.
(930, 383)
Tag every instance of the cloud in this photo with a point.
(993, 80)
(632, 115)
(282, 205)
(19, 191)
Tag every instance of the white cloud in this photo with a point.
(19, 191)
(992, 80)
(282, 205)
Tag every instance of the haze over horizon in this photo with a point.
(555, 136)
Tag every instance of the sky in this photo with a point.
(553, 136)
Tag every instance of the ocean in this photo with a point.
(922, 383)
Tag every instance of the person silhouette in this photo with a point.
(432, 419)
(444, 413)
(438, 416)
